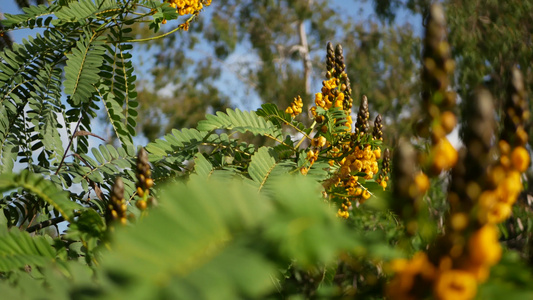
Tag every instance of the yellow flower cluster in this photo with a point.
(437, 101)
(360, 160)
(417, 277)
(187, 7)
(331, 97)
(296, 107)
(410, 275)
(354, 155)
(495, 205)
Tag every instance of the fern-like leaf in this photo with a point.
(264, 164)
(42, 188)
(117, 89)
(84, 9)
(241, 121)
(32, 17)
(18, 249)
(81, 71)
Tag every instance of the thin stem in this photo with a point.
(68, 147)
(155, 37)
(305, 136)
(164, 34)
(46, 223)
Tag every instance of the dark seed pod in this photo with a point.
(143, 174)
(361, 126)
(116, 208)
(516, 111)
(377, 133)
(339, 61)
(330, 59)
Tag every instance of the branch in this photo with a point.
(304, 51)
(46, 223)
(68, 147)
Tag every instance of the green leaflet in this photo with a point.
(264, 164)
(202, 166)
(81, 71)
(42, 188)
(8, 151)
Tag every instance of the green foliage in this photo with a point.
(20, 249)
(242, 122)
(44, 189)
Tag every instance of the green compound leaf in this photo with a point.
(264, 165)
(241, 121)
(81, 71)
(18, 249)
(43, 188)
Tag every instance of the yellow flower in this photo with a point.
(366, 195)
(289, 110)
(455, 285)
(377, 153)
(407, 272)
(498, 213)
(422, 182)
(357, 165)
(383, 183)
(353, 180)
(445, 155)
(343, 214)
(459, 221)
(345, 171)
(509, 188)
(310, 154)
(320, 141)
(520, 159)
(186, 7)
(448, 121)
(484, 247)
(505, 148)
(295, 108)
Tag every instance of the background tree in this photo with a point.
(280, 46)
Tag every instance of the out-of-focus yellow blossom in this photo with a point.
(421, 182)
(445, 156)
(455, 285)
(459, 221)
(520, 159)
(484, 247)
(410, 274)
